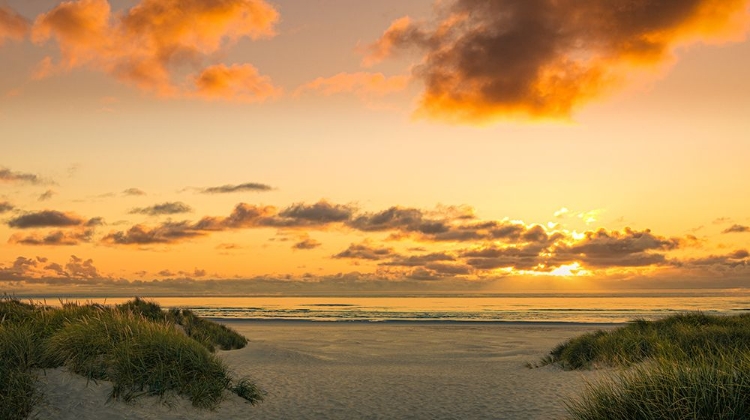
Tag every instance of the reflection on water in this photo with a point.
(586, 308)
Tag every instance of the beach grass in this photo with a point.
(680, 337)
(140, 348)
(707, 387)
(686, 366)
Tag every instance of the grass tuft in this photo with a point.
(136, 345)
(696, 366)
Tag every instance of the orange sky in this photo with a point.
(249, 146)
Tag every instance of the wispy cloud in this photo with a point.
(488, 59)
(306, 244)
(8, 176)
(46, 195)
(246, 187)
(366, 251)
(6, 207)
(176, 207)
(56, 238)
(737, 229)
(134, 192)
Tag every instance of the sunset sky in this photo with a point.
(332, 146)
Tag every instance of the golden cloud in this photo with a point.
(493, 59)
(12, 25)
(147, 44)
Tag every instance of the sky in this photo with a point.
(305, 147)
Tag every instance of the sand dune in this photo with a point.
(364, 371)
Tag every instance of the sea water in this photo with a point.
(539, 307)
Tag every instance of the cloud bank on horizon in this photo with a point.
(405, 247)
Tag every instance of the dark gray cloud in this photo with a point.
(306, 244)
(485, 58)
(55, 238)
(246, 187)
(418, 260)
(166, 233)
(732, 260)
(366, 251)
(398, 218)
(134, 192)
(737, 229)
(320, 213)
(175, 207)
(46, 218)
(628, 248)
(6, 175)
(6, 207)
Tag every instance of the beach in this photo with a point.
(365, 370)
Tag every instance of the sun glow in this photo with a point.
(569, 270)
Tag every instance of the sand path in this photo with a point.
(366, 371)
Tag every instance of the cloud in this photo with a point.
(306, 244)
(488, 59)
(148, 44)
(362, 84)
(240, 83)
(46, 195)
(176, 207)
(36, 271)
(166, 233)
(320, 213)
(492, 257)
(365, 251)
(736, 229)
(225, 189)
(79, 268)
(46, 218)
(738, 258)
(628, 248)
(59, 237)
(12, 25)
(6, 175)
(133, 192)
(418, 260)
(6, 207)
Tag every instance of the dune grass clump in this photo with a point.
(136, 345)
(18, 392)
(208, 333)
(141, 358)
(708, 387)
(679, 337)
(695, 366)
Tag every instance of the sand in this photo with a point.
(364, 371)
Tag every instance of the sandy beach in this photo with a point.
(319, 370)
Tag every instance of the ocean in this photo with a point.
(542, 307)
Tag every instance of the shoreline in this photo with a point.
(232, 320)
